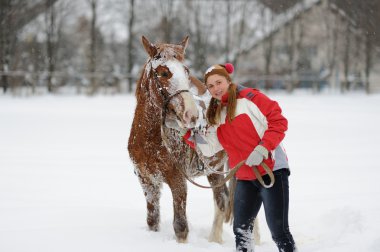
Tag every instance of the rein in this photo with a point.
(233, 172)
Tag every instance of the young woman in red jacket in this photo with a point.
(250, 126)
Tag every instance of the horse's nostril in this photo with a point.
(190, 117)
(194, 119)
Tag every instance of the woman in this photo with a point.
(249, 126)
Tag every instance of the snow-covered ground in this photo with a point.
(67, 183)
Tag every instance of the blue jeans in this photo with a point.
(249, 195)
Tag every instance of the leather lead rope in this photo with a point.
(233, 172)
(260, 178)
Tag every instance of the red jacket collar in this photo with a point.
(224, 99)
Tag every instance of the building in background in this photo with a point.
(312, 44)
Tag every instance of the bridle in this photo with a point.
(167, 97)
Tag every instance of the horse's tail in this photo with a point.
(229, 214)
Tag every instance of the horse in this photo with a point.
(159, 154)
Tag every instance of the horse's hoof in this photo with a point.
(182, 240)
(215, 239)
(153, 222)
(182, 236)
(153, 228)
(181, 230)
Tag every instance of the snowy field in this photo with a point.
(67, 183)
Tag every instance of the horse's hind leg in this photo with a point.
(177, 184)
(152, 195)
(221, 201)
(256, 232)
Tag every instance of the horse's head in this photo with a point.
(170, 82)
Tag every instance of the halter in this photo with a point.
(166, 96)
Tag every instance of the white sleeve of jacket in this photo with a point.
(207, 142)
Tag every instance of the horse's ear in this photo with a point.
(184, 43)
(149, 47)
(198, 84)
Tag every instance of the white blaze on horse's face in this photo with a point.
(180, 81)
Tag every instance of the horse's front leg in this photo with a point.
(177, 184)
(152, 194)
(221, 201)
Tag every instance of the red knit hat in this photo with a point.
(223, 70)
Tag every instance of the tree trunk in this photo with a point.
(200, 45)
(131, 55)
(346, 60)
(368, 61)
(21, 15)
(5, 33)
(228, 17)
(240, 35)
(50, 23)
(268, 59)
(92, 66)
(167, 11)
(290, 51)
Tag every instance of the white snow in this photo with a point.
(180, 78)
(67, 183)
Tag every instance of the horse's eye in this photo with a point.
(165, 74)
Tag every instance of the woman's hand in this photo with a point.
(257, 156)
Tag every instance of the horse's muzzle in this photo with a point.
(189, 118)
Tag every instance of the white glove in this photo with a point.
(257, 156)
(207, 141)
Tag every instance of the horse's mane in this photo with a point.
(139, 85)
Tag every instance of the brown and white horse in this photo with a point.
(157, 151)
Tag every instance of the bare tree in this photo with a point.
(5, 35)
(130, 51)
(93, 53)
(14, 15)
(200, 18)
(368, 60)
(365, 16)
(242, 33)
(372, 36)
(268, 46)
(22, 13)
(167, 10)
(50, 42)
(228, 33)
(290, 49)
(346, 58)
(332, 25)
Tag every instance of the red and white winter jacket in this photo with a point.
(258, 120)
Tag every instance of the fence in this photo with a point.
(56, 81)
(110, 82)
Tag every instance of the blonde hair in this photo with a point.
(215, 107)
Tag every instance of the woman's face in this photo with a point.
(217, 85)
